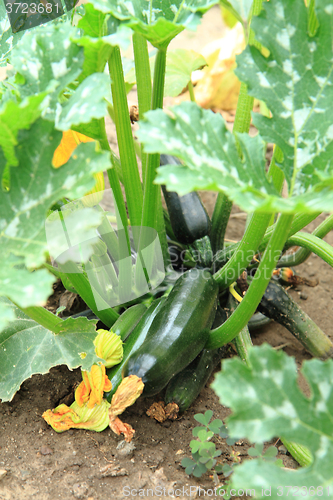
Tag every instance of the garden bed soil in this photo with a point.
(37, 463)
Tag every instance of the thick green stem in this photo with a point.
(128, 160)
(249, 304)
(243, 343)
(245, 250)
(300, 220)
(299, 452)
(43, 317)
(143, 83)
(191, 91)
(312, 244)
(114, 182)
(220, 220)
(152, 215)
(83, 288)
(302, 254)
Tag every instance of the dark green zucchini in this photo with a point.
(128, 320)
(278, 305)
(178, 332)
(133, 342)
(202, 253)
(188, 217)
(185, 387)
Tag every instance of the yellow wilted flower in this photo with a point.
(129, 390)
(63, 417)
(69, 142)
(91, 389)
(108, 346)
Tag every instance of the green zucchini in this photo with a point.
(133, 342)
(185, 387)
(128, 320)
(278, 305)
(202, 253)
(188, 217)
(178, 332)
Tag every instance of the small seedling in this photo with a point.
(204, 452)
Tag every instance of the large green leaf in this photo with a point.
(157, 20)
(296, 83)
(28, 111)
(27, 348)
(266, 402)
(34, 186)
(97, 47)
(8, 39)
(86, 103)
(180, 64)
(200, 138)
(48, 61)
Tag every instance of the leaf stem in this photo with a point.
(143, 83)
(42, 316)
(191, 91)
(312, 244)
(152, 215)
(83, 288)
(128, 160)
(303, 253)
(228, 331)
(245, 251)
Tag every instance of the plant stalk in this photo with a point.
(128, 160)
(143, 83)
(303, 253)
(43, 317)
(228, 331)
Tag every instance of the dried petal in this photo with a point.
(120, 427)
(127, 393)
(129, 390)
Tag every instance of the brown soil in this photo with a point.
(41, 464)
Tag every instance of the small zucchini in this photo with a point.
(178, 333)
(185, 387)
(128, 320)
(188, 217)
(278, 305)
(133, 342)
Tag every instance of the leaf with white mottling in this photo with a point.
(27, 348)
(8, 39)
(28, 111)
(267, 402)
(98, 48)
(296, 83)
(87, 102)
(35, 185)
(48, 61)
(200, 138)
(159, 21)
(6, 315)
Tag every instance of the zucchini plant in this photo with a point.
(68, 75)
